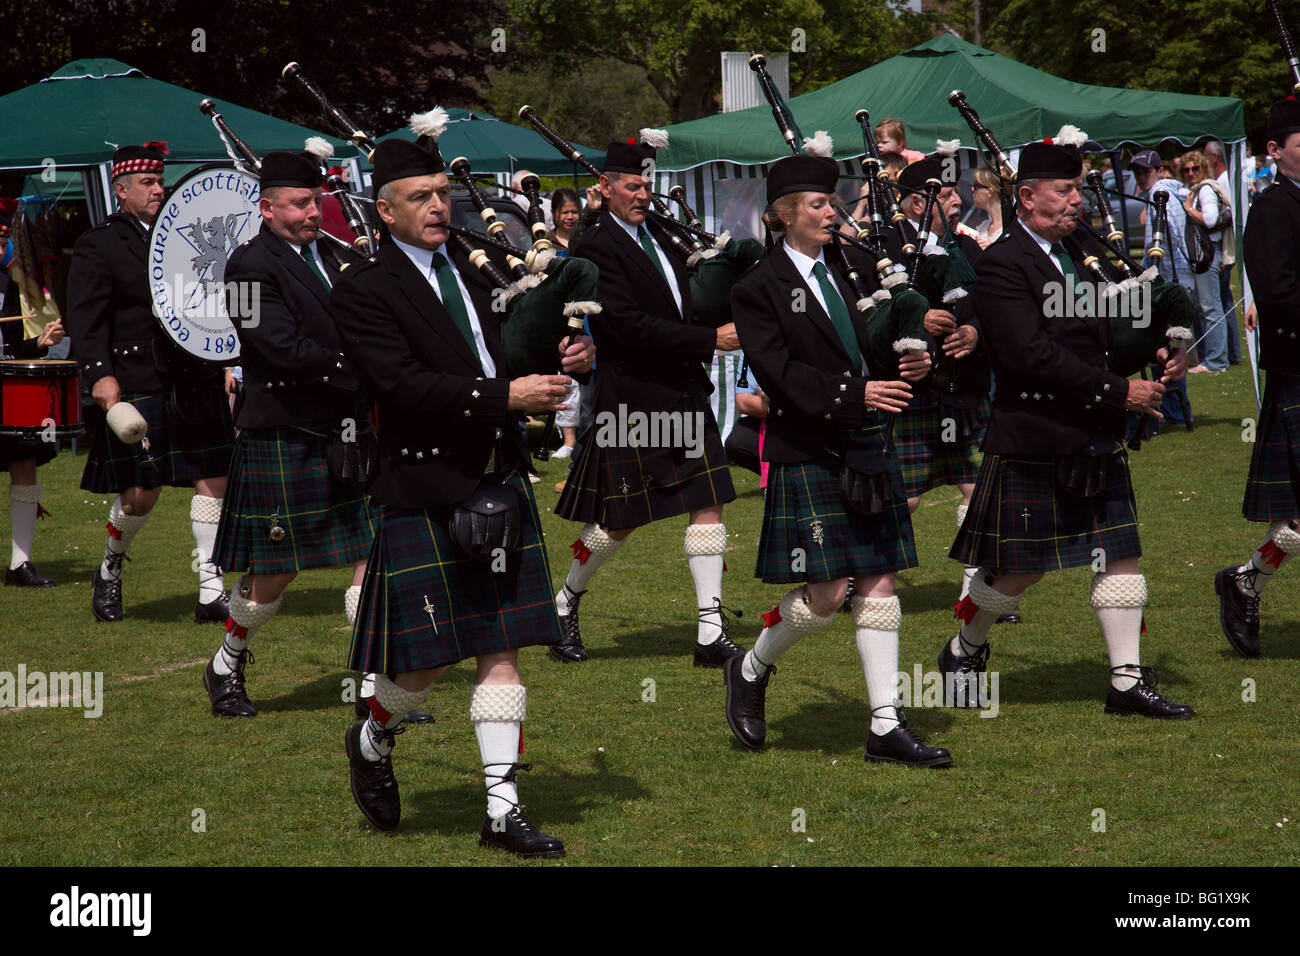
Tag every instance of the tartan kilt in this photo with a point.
(1273, 484)
(851, 545)
(21, 449)
(925, 460)
(1061, 531)
(414, 566)
(283, 472)
(179, 453)
(622, 487)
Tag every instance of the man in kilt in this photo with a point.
(136, 372)
(937, 436)
(1272, 244)
(1053, 490)
(652, 361)
(21, 456)
(805, 346)
(420, 328)
(286, 510)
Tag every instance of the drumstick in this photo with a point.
(17, 318)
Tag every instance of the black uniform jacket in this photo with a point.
(436, 412)
(110, 313)
(1054, 392)
(294, 372)
(1272, 252)
(649, 353)
(799, 360)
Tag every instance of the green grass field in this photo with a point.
(626, 781)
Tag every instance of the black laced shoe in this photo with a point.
(902, 745)
(227, 692)
(512, 832)
(724, 648)
(217, 611)
(1238, 612)
(961, 676)
(106, 598)
(570, 649)
(1142, 699)
(26, 576)
(1011, 617)
(374, 787)
(746, 703)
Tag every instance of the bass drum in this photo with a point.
(207, 214)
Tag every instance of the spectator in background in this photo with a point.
(742, 445)
(564, 229)
(891, 139)
(1204, 205)
(987, 197)
(894, 164)
(522, 201)
(1219, 161)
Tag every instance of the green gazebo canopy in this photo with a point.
(492, 146)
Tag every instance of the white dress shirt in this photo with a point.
(423, 261)
(663, 259)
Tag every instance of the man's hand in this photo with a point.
(577, 354)
(538, 393)
(914, 366)
(594, 198)
(1175, 365)
(1252, 318)
(232, 383)
(728, 340)
(888, 396)
(1144, 397)
(52, 334)
(940, 322)
(961, 342)
(106, 392)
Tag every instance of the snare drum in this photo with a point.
(35, 393)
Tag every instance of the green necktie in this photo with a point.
(452, 300)
(1067, 267)
(839, 314)
(649, 248)
(308, 258)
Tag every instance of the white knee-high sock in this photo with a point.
(966, 573)
(122, 529)
(876, 622)
(590, 551)
(1118, 600)
(387, 708)
(978, 611)
(498, 712)
(351, 602)
(24, 504)
(205, 515)
(705, 546)
(245, 618)
(1282, 542)
(788, 623)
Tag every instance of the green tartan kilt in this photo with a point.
(808, 534)
(623, 487)
(925, 459)
(423, 605)
(279, 476)
(1273, 485)
(1020, 523)
(178, 455)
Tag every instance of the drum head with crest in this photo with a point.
(207, 214)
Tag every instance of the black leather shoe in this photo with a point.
(746, 713)
(361, 707)
(106, 598)
(1011, 617)
(516, 835)
(961, 676)
(1142, 699)
(902, 745)
(1238, 614)
(26, 576)
(374, 787)
(214, 612)
(724, 648)
(570, 649)
(227, 693)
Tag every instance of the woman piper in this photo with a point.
(805, 347)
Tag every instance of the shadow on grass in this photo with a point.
(1277, 641)
(307, 601)
(1084, 679)
(932, 596)
(666, 640)
(553, 798)
(838, 721)
(65, 570)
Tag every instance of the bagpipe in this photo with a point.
(1288, 45)
(713, 262)
(1141, 312)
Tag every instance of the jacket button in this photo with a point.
(419, 455)
(827, 416)
(836, 402)
(467, 413)
(475, 393)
